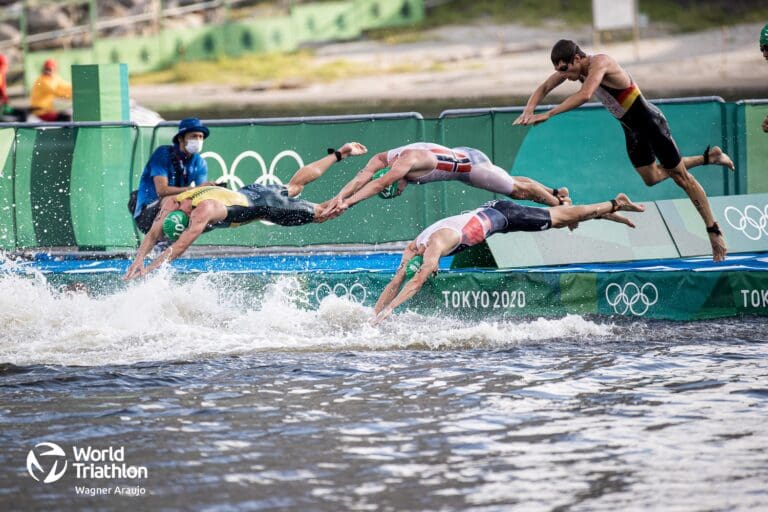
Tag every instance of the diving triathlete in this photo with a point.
(217, 207)
(645, 128)
(425, 162)
(454, 234)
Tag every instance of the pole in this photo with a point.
(94, 16)
(636, 30)
(24, 43)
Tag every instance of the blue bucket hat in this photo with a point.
(190, 124)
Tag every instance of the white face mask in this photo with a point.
(194, 146)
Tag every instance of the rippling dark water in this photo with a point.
(274, 408)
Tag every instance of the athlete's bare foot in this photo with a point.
(615, 217)
(353, 149)
(718, 157)
(625, 204)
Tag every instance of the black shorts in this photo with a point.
(521, 218)
(271, 203)
(648, 137)
(147, 216)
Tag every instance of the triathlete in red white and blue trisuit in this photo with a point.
(492, 217)
(464, 164)
(468, 165)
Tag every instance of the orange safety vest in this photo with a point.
(46, 88)
(3, 88)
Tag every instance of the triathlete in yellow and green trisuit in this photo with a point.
(213, 207)
(254, 202)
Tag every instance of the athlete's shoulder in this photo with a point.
(603, 61)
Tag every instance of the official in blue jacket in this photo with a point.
(171, 170)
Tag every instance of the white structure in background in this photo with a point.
(615, 15)
(143, 116)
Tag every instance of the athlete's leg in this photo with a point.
(493, 178)
(314, 170)
(695, 192)
(566, 215)
(715, 156)
(652, 174)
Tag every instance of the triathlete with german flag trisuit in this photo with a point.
(213, 206)
(645, 128)
(425, 162)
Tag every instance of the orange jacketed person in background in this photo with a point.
(48, 86)
(3, 83)
(7, 112)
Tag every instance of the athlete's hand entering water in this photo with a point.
(719, 249)
(383, 315)
(135, 270)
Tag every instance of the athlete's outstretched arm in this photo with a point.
(207, 212)
(404, 163)
(178, 248)
(390, 291)
(150, 239)
(376, 163)
(552, 81)
(599, 65)
(428, 267)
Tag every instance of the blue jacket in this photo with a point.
(183, 173)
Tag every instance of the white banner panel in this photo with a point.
(613, 14)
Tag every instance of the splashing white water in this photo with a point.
(160, 319)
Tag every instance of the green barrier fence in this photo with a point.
(69, 186)
(7, 217)
(500, 295)
(80, 175)
(752, 149)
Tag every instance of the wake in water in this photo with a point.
(161, 318)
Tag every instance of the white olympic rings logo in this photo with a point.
(631, 298)
(355, 293)
(267, 175)
(753, 221)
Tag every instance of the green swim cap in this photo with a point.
(764, 36)
(390, 191)
(413, 266)
(174, 224)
